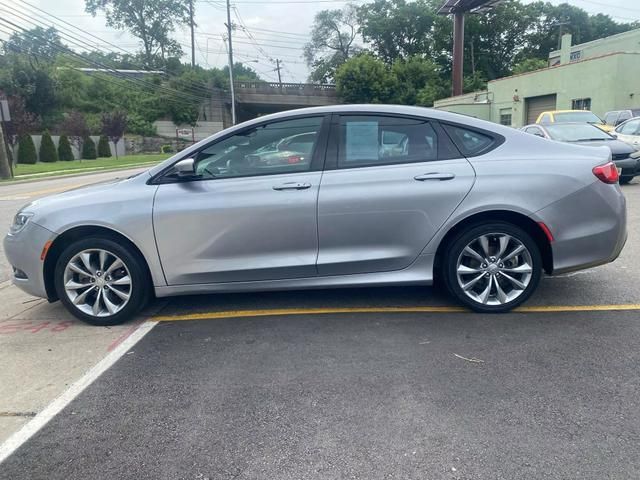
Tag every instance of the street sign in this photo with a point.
(184, 132)
(4, 111)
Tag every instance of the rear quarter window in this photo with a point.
(471, 142)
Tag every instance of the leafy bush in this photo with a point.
(104, 151)
(136, 125)
(48, 151)
(166, 149)
(89, 149)
(64, 149)
(27, 150)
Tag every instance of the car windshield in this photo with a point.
(581, 132)
(587, 117)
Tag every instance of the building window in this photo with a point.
(505, 117)
(581, 104)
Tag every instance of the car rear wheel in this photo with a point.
(493, 267)
(100, 281)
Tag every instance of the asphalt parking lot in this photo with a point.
(363, 383)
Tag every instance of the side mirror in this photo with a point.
(185, 168)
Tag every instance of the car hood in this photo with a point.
(616, 146)
(84, 198)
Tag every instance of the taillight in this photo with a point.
(607, 173)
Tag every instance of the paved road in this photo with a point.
(15, 195)
(359, 397)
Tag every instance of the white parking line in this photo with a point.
(41, 419)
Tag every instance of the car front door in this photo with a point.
(248, 213)
(389, 184)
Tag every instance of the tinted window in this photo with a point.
(376, 140)
(610, 118)
(546, 118)
(278, 147)
(624, 115)
(632, 127)
(587, 117)
(534, 131)
(470, 142)
(570, 132)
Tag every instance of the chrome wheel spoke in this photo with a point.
(122, 295)
(464, 270)
(486, 293)
(519, 249)
(524, 268)
(97, 282)
(121, 281)
(484, 244)
(517, 283)
(471, 283)
(500, 294)
(504, 243)
(472, 253)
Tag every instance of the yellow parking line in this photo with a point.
(424, 309)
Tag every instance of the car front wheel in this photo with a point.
(493, 267)
(100, 281)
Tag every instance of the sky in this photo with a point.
(266, 29)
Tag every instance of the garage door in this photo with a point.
(536, 105)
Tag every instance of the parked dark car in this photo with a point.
(626, 157)
(616, 117)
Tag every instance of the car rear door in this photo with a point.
(243, 218)
(390, 182)
(629, 132)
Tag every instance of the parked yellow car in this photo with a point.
(573, 116)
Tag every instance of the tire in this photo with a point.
(78, 286)
(625, 180)
(504, 279)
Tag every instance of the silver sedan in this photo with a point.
(387, 195)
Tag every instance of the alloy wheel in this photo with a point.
(97, 282)
(494, 269)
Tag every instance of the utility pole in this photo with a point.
(278, 67)
(233, 93)
(193, 38)
(5, 167)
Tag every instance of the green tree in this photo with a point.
(365, 79)
(38, 43)
(64, 149)
(27, 150)
(332, 37)
(152, 22)
(529, 65)
(48, 152)
(104, 150)
(89, 149)
(418, 82)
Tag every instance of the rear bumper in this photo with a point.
(629, 166)
(589, 227)
(23, 251)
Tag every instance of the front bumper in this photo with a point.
(23, 251)
(589, 227)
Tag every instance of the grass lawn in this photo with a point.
(61, 168)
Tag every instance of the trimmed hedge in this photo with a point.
(104, 151)
(89, 149)
(27, 150)
(48, 151)
(64, 149)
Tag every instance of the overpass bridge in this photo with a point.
(254, 99)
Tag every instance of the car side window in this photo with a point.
(535, 131)
(546, 118)
(273, 148)
(629, 128)
(611, 118)
(377, 140)
(471, 143)
(624, 115)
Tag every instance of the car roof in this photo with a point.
(566, 111)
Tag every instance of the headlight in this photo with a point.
(19, 222)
